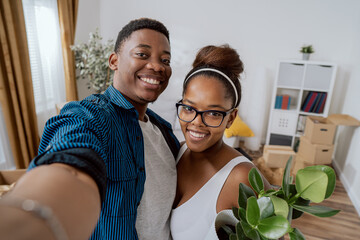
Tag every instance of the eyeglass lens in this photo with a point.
(209, 118)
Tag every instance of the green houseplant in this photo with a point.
(268, 214)
(91, 59)
(306, 50)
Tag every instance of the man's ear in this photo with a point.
(232, 117)
(113, 61)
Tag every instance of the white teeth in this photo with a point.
(151, 81)
(197, 135)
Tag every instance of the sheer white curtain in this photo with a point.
(6, 158)
(43, 34)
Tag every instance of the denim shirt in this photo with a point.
(108, 124)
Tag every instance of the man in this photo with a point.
(112, 137)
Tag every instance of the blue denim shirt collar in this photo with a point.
(118, 99)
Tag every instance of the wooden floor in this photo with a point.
(345, 225)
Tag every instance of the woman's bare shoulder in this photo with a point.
(240, 172)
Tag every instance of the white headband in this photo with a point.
(219, 72)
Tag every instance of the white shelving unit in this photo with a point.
(297, 79)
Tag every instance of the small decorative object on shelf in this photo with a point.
(91, 59)
(268, 214)
(306, 50)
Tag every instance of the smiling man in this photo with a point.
(100, 150)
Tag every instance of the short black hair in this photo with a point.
(138, 24)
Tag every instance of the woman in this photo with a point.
(209, 171)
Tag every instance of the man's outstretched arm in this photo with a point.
(72, 195)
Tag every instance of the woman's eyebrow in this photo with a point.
(216, 106)
(209, 106)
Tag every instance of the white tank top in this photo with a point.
(194, 218)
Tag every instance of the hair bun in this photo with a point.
(223, 57)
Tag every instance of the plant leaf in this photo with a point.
(242, 214)
(331, 178)
(311, 184)
(266, 207)
(255, 180)
(296, 235)
(235, 211)
(252, 212)
(240, 231)
(227, 229)
(286, 178)
(270, 192)
(302, 202)
(244, 193)
(274, 227)
(232, 236)
(281, 207)
(319, 211)
(249, 231)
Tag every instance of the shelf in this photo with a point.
(285, 110)
(310, 113)
(290, 74)
(318, 77)
(308, 86)
(315, 90)
(289, 87)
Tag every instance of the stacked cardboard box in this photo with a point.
(9, 177)
(273, 162)
(277, 156)
(316, 146)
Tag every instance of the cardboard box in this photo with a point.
(273, 175)
(277, 156)
(321, 130)
(315, 153)
(8, 177)
(299, 163)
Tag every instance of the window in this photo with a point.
(6, 158)
(47, 70)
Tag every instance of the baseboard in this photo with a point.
(355, 201)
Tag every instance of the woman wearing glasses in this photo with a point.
(209, 171)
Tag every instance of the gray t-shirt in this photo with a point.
(153, 214)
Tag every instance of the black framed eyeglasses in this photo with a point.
(211, 118)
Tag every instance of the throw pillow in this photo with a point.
(238, 128)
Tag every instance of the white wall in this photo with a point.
(347, 154)
(88, 19)
(263, 32)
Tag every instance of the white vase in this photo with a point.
(306, 56)
(224, 217)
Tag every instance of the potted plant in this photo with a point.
(268, 214)
(91, 59)
(306, 50)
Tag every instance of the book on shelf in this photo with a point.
(278, 102)
(285, 102)
(322, 104)
(282, 102)
(314, 102)
(306, 100)
(311, 102)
